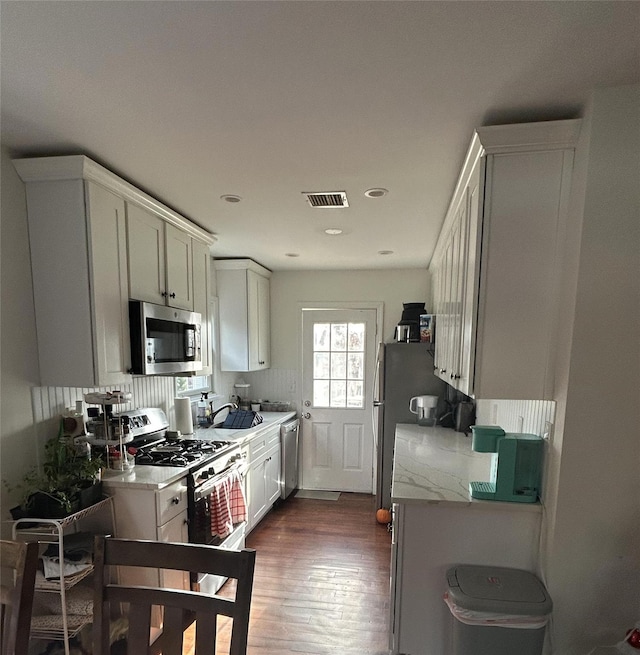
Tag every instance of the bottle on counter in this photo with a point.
(204, 410)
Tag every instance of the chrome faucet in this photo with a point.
(229, 406)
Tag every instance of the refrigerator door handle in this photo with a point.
(374, 402)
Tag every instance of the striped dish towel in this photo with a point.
(227, 504)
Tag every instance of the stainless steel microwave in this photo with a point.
(164, 340)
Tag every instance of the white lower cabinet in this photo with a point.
(428, 539)
(263, 475)
(175, 530)
(155, 515)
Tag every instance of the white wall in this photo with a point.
(290, 288)
(18, 337)
(592, 557)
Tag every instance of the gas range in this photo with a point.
(146, 431)
(180, 452)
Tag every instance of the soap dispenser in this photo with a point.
(204, 410)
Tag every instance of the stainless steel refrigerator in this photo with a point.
(403, 370)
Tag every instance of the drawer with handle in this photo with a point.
(171, 500)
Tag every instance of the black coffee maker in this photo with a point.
(408, 329)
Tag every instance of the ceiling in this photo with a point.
(190, 101)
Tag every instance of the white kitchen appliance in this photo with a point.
(424, 407)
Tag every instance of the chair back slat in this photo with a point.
(180, 607)
(176, 556)
(172, 631)
(139, 627)
(17, 598)
(205, 635)
(189, 600)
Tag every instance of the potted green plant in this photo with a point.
(68, 482)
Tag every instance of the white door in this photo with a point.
(338, 361)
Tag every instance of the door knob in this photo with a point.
(307, 403)
(307, 415)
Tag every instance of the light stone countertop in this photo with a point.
(158, 477)
(434, 465)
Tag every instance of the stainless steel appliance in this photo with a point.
(289, 441)
(206, 464)
(164, 340)
(403, 370)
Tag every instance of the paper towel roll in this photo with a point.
(184, 420)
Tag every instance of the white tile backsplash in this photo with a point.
(275, 385)
(49, 403)
(530, 416)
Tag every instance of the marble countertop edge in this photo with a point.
(434, 465)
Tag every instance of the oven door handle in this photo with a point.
(205, 489)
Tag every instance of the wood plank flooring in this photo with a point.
(322, 580)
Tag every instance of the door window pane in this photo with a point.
(355, 394)
(356, 336)
(338, 393)
(321, 365)
(338, 365)
(338, 336)
(321, 393)
(355, 370)
(321, 332)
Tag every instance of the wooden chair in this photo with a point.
(17, 599)
(181, 608)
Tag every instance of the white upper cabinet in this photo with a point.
(497, 263)
(79, 268)
(201, 259)
(159, 256)
(81, 265)
(244, 307)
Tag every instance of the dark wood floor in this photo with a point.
(322, 579)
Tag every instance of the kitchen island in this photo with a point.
(436, 525)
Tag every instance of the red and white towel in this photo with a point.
(227, 504)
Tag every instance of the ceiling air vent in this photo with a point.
(327, 199)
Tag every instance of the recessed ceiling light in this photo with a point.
(385, 252)
(376, 193)
(291, 254)
(333, 231)
(228, 197)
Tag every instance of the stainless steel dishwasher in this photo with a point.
(289, 435)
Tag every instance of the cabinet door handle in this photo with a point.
(163, 294)
(443, 370)
(175, 501)
(172, 295)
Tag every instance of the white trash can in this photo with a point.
(497, 611)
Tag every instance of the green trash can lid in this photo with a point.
(498, 589)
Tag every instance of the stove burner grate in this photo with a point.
(180, 452)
